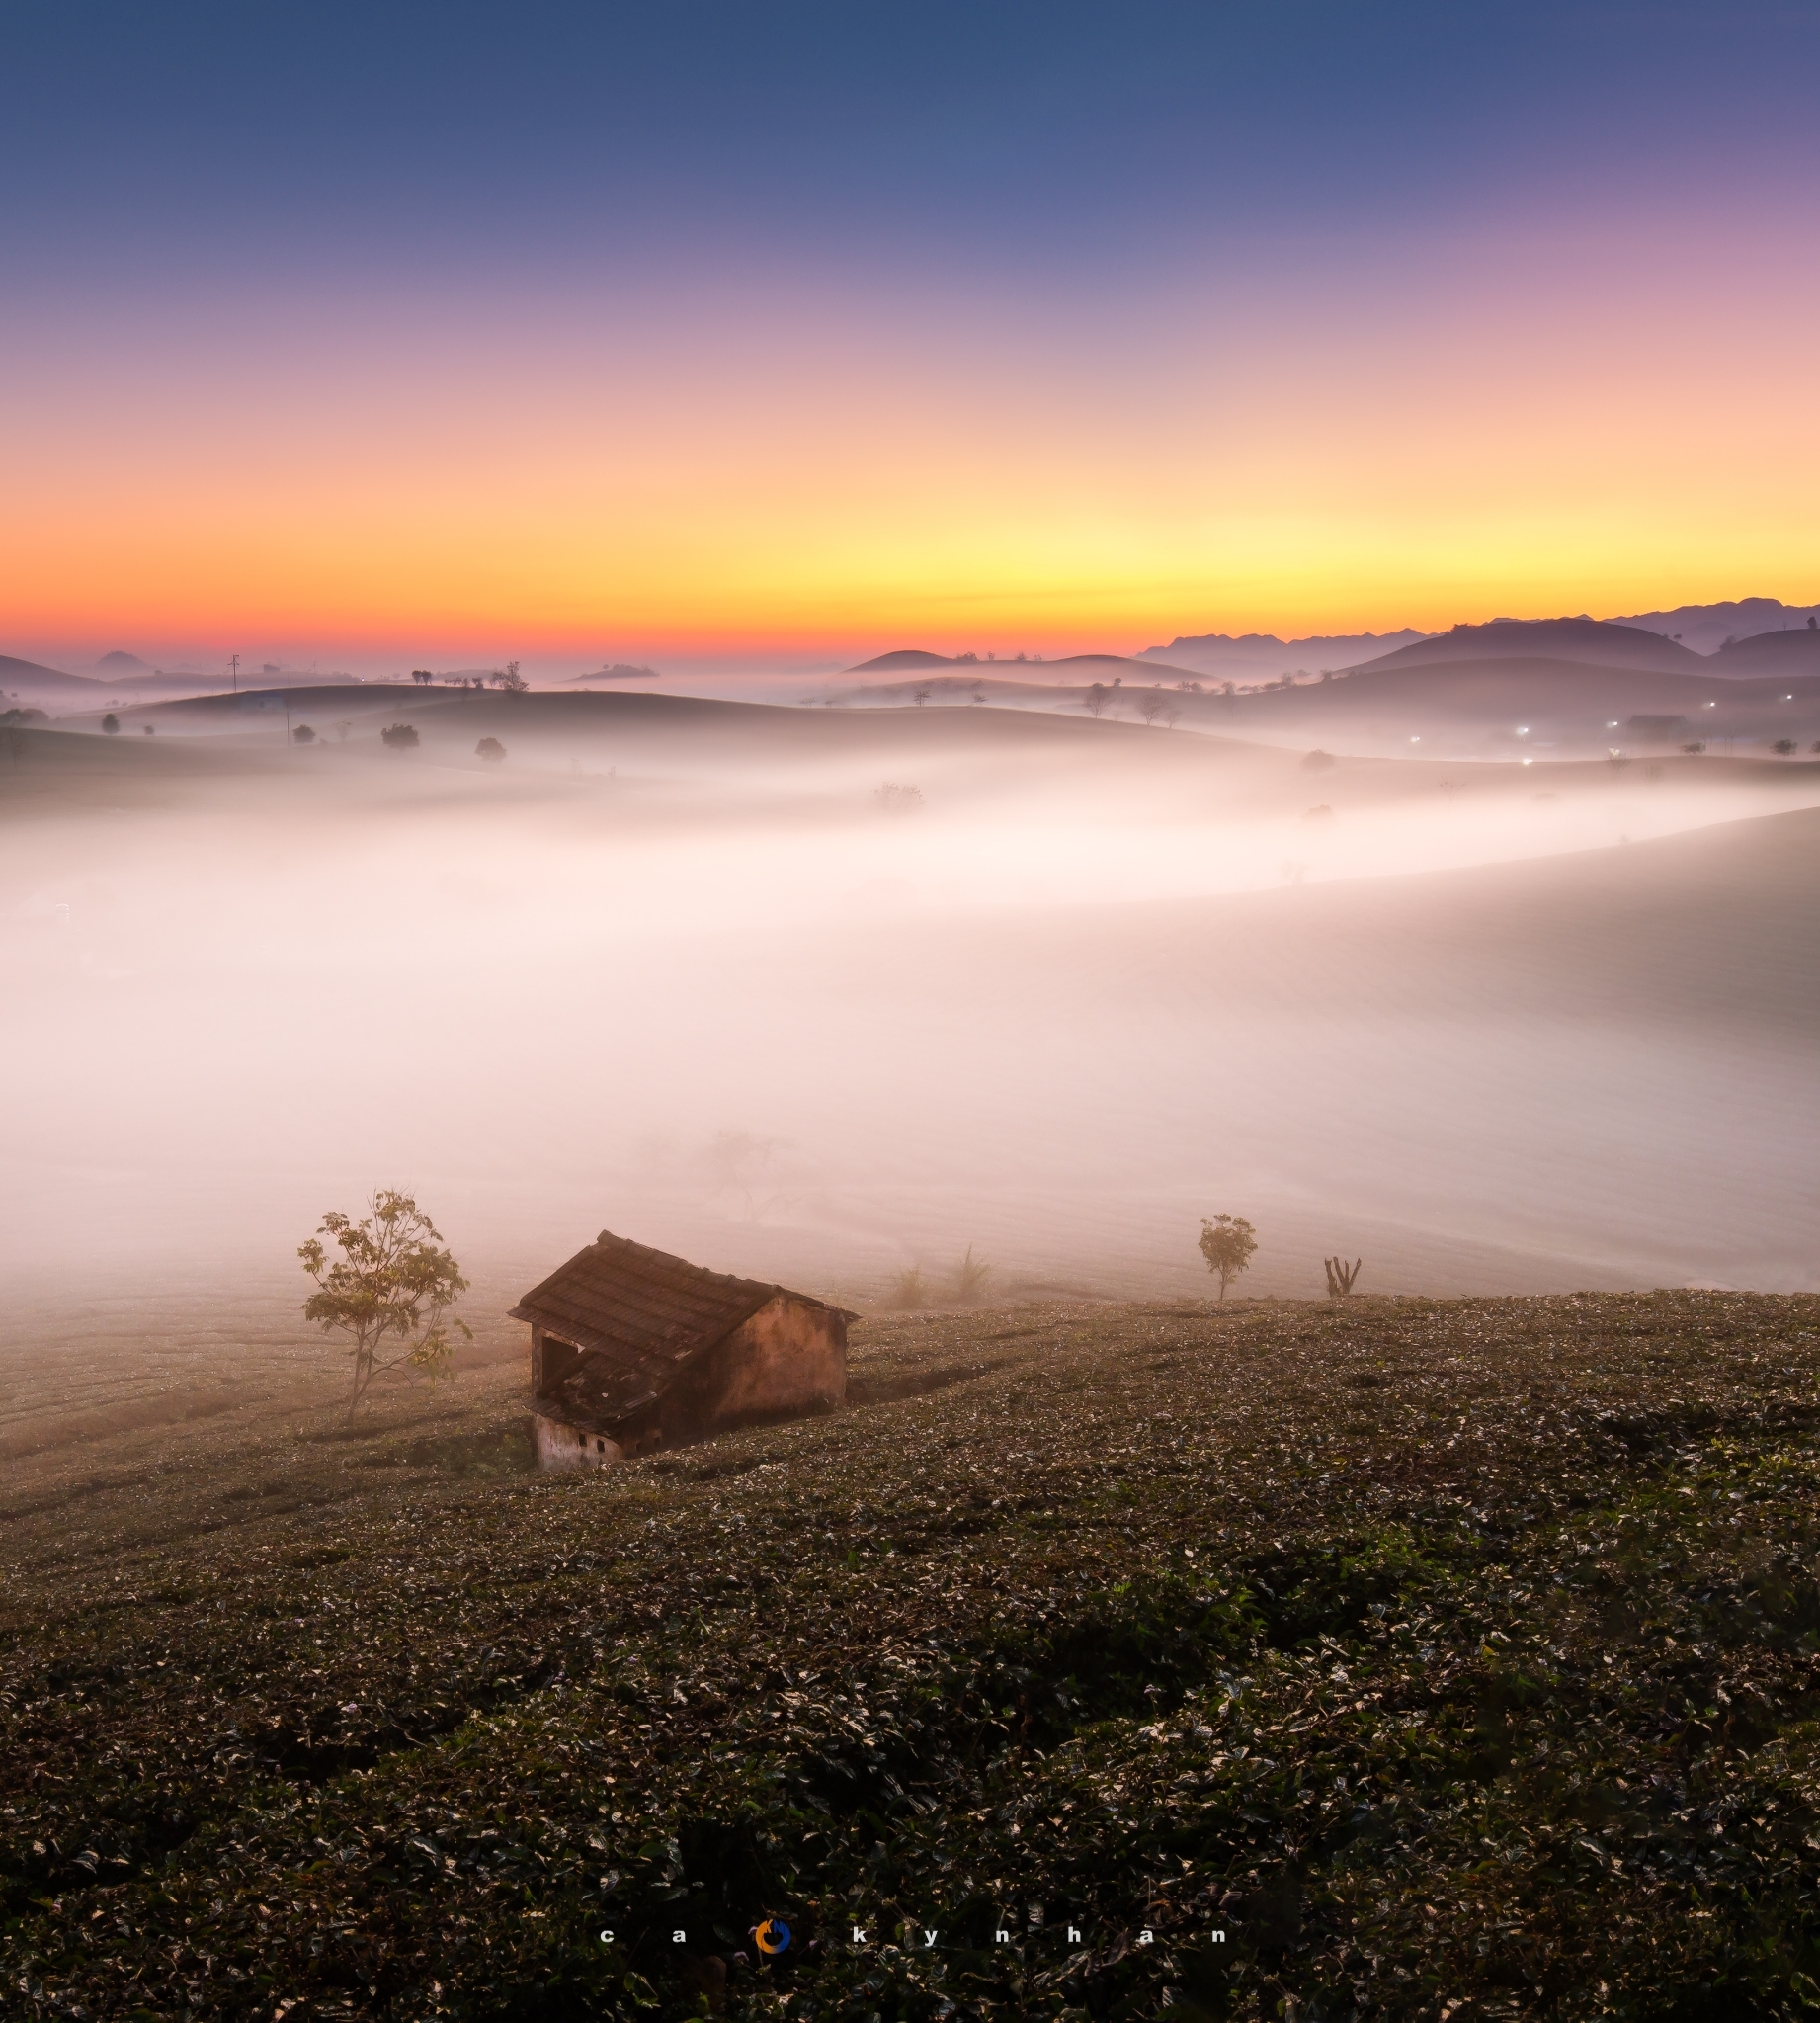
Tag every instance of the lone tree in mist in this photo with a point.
(490, 748)
(399, 738)
(1226, 1243)
(1096, 699)
(511, 680)
(390, 1288)
(111, 723)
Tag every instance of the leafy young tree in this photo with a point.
(111, 723)
(1226, 1243)
(390, 1288)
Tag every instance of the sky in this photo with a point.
(787, 335)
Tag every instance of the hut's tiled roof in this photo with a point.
(639, 1315)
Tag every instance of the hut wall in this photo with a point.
(562, 1446)
(789, 1357)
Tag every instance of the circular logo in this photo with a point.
(771, 1937)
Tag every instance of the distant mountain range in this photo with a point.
(1711, 627)
(1262, 657)
(1705, 629)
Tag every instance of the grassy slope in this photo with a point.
(1455, 1660)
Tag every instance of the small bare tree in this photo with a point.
(1150, 707)
(1227, 1242)
(511, 680)
(1341, 1276)
(393, 1286)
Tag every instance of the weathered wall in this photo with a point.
(789, 1357)
(563, 1447)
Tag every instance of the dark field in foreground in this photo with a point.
(1454, 1661)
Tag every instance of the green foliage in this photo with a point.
(392, 1286)
(1227, 1242)
(1447, 1658)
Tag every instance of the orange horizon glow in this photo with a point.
(829, 482)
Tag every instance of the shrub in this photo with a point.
(909, 1289)
(400, 737)
(490, 748)
(1318, 762)
(304, 734)
(896, 799)
(970, 1276)
(1784, 747)
(111, 723)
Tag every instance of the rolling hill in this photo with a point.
(1583, 641)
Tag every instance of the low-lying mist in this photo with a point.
(822, 996)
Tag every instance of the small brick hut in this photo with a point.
(631, 1349)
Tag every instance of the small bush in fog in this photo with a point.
(111, 723)
(490, 748)
(1784, 747)
(1694, 751)
(1318, 762)
(305, 735)
(393, 1286)
(1227, 1242)
(909, 1289)
(896, 799)
(969, 1280)
(1341, 1276)
(400, 737)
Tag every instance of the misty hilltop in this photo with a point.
(1590, 642)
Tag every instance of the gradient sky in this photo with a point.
(717, 331)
